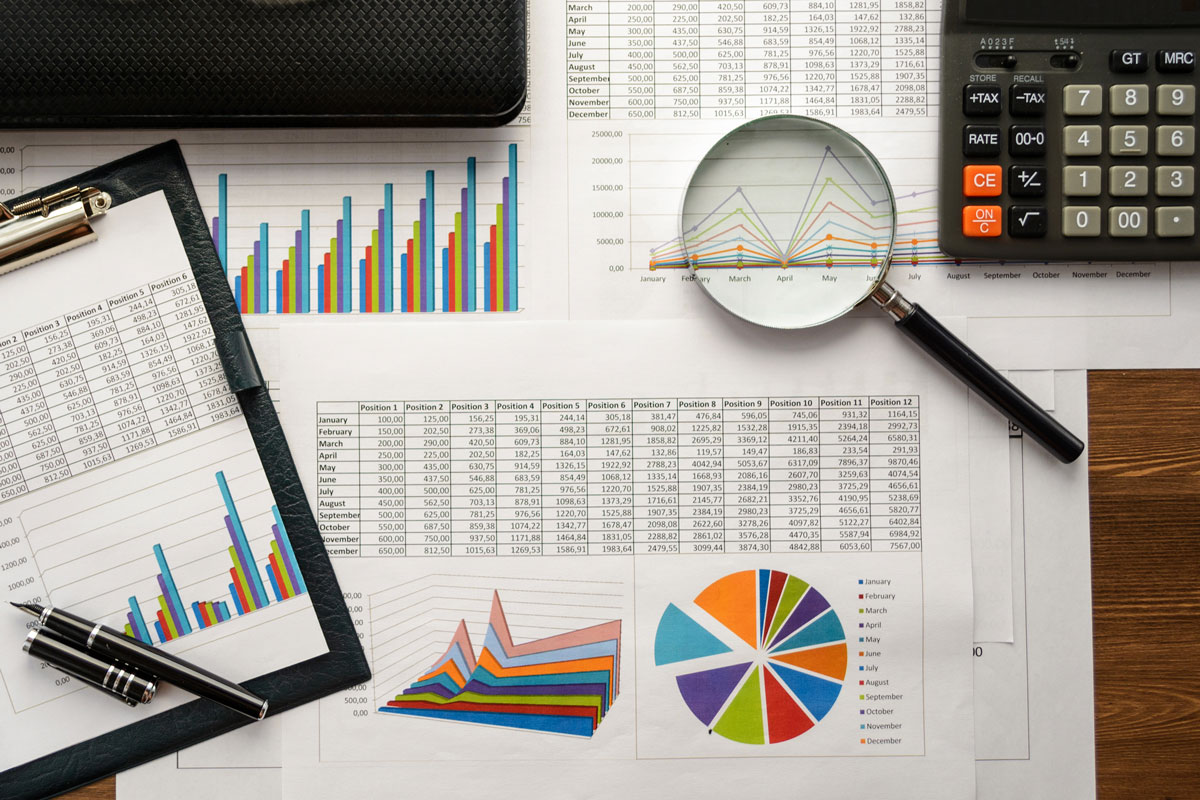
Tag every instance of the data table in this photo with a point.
(619, 476)
(106, 381)
(729, 59)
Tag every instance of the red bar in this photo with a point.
(165, 628)
(237, 584)
(495, 268)
(283, 592)
(285, 302)
(209, 619)
(328, 293)
(245, 291)
(410, 301)
(451, 279)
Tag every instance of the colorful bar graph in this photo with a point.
(247, 589)
(457, 260)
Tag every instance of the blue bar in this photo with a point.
(222, 611)
(162, 637)
(237, 292)
(347, 256)
(445, 279)
(510, 236)
(139, 622)
(289, 552)
(302, 257)
(487, 274)
(403, 280)
(264, 271)
(251, 573)
(279, 292)
(362, 284)
(429, 241)
(274, 585)
(469, 230)
(170, 582)
(237, 604)
(223, 216)
(199, 616)
(388, 246)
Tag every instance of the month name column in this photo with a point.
(338, 514)
(588, 60)
(17, 378)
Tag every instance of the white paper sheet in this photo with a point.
(917, 710)
(118, 434)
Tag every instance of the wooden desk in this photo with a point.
(1144, 465)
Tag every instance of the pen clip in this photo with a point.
(42, 227)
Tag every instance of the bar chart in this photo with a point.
(339, 222)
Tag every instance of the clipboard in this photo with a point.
(60, 218)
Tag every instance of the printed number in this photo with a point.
(1083, 181)
(1084, 139)
(1177, 97)
(1131, 138)
(1131, 97)
(1129, 220)
(1177, 179)
(1177, 138)
(1081, 219)
(1130, 179)
(1084, 94)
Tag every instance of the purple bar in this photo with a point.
(247, 565)
(133, 626)
(380, 266)
(287, 562)
(507, 244)
(298, 275)
(162, 584)
(217, 232)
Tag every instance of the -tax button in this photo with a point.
(983, 180)
(981, 221)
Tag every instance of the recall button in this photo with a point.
(981, 221)
(983, 180)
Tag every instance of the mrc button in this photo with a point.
(1175, 60)
(983, 180)
(981, 101)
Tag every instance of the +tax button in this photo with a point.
(983, 180)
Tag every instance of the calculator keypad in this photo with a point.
(1108, 155)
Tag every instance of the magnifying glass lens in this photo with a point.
(788, 222)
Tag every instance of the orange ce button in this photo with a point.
(982, 180)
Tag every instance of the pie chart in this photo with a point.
(760, 659)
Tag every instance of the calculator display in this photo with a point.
(1081, 13)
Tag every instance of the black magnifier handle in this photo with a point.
(920, 326)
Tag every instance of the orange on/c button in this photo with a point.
(982, 180)
(981, 221)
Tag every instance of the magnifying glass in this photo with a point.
(789, 222)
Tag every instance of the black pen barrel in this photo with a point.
(118, 680)
(150, 660)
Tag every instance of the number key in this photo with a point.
(1082, 140)
(1128, 221)
(1081, 221)
(1128, 140)
(1175, 100)
(1129, 100)
(1128, 181)
(1175, 181)
(1081, 181)
(1175, 140)
(1083, 100)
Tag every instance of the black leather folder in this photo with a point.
(162, 168)
(177, 63)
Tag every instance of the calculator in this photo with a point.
(1068, 130)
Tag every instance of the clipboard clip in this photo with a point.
(46, 226)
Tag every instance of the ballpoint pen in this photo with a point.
(119, 680)
(102, 640)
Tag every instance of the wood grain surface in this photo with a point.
(1144, 465)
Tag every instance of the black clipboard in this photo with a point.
(162, 168)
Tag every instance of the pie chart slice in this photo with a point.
(794, 647)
